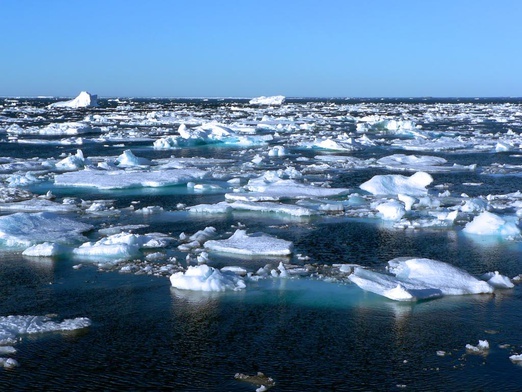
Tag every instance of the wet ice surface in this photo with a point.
(270, 218)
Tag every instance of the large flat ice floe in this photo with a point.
(122, 179)
(206, 278)
(257, 244)
(83, 100)
(272, 189)
(412, 279)
(22, 230)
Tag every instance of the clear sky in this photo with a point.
(248, 48)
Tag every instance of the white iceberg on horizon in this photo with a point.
(274, 100)
(83, 100)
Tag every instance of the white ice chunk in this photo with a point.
(268, 207)
(218, 208)
(394, 184)
(12, 326)
(488, 223)
(497, 280)
(446, 277)
(84, 99)
(481, 348)
(128, 159)
(205, 278)
(391, 210)
(254, 244)
(418, 278)
(73, 162)
(26, 229)
(46, 249)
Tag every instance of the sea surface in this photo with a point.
(315, 332)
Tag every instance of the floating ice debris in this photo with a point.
(516, 358)
(481, 348)
(218, 208)
(270, 187)
(20, 180)
(121, 179)
(128, 159)
(497, 280)
(11, 327)
(121, 246)
(394, 184)
(418, 278)
(260, 379)
(491, 224)
(254, 244)
(275, 100)
(73, 162)
(391, 210)
(46, 249)
(22, 229)
(205, 278)
(269, 207)
(84, 99)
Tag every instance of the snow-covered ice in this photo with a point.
(488, 223)
(256, 244)
(21, 230)
(206, 278)
(394, 184)
(412, 279)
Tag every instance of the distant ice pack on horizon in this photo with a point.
(83, 100)
(269, 101)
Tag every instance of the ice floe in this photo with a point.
(488, 223)
(121, 179)
(206, 278)
(394, 184)
(412, 279)
(21, 230)
(13, 327)
(256, 244)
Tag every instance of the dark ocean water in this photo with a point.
(307, 334)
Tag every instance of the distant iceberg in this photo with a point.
(83, 100)
(274, 100)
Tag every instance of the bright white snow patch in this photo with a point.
(254, 244)
(205, 278)
(393, 184)
(84, 99)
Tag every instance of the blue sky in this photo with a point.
(247, 48)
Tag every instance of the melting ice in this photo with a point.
(286, 164)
